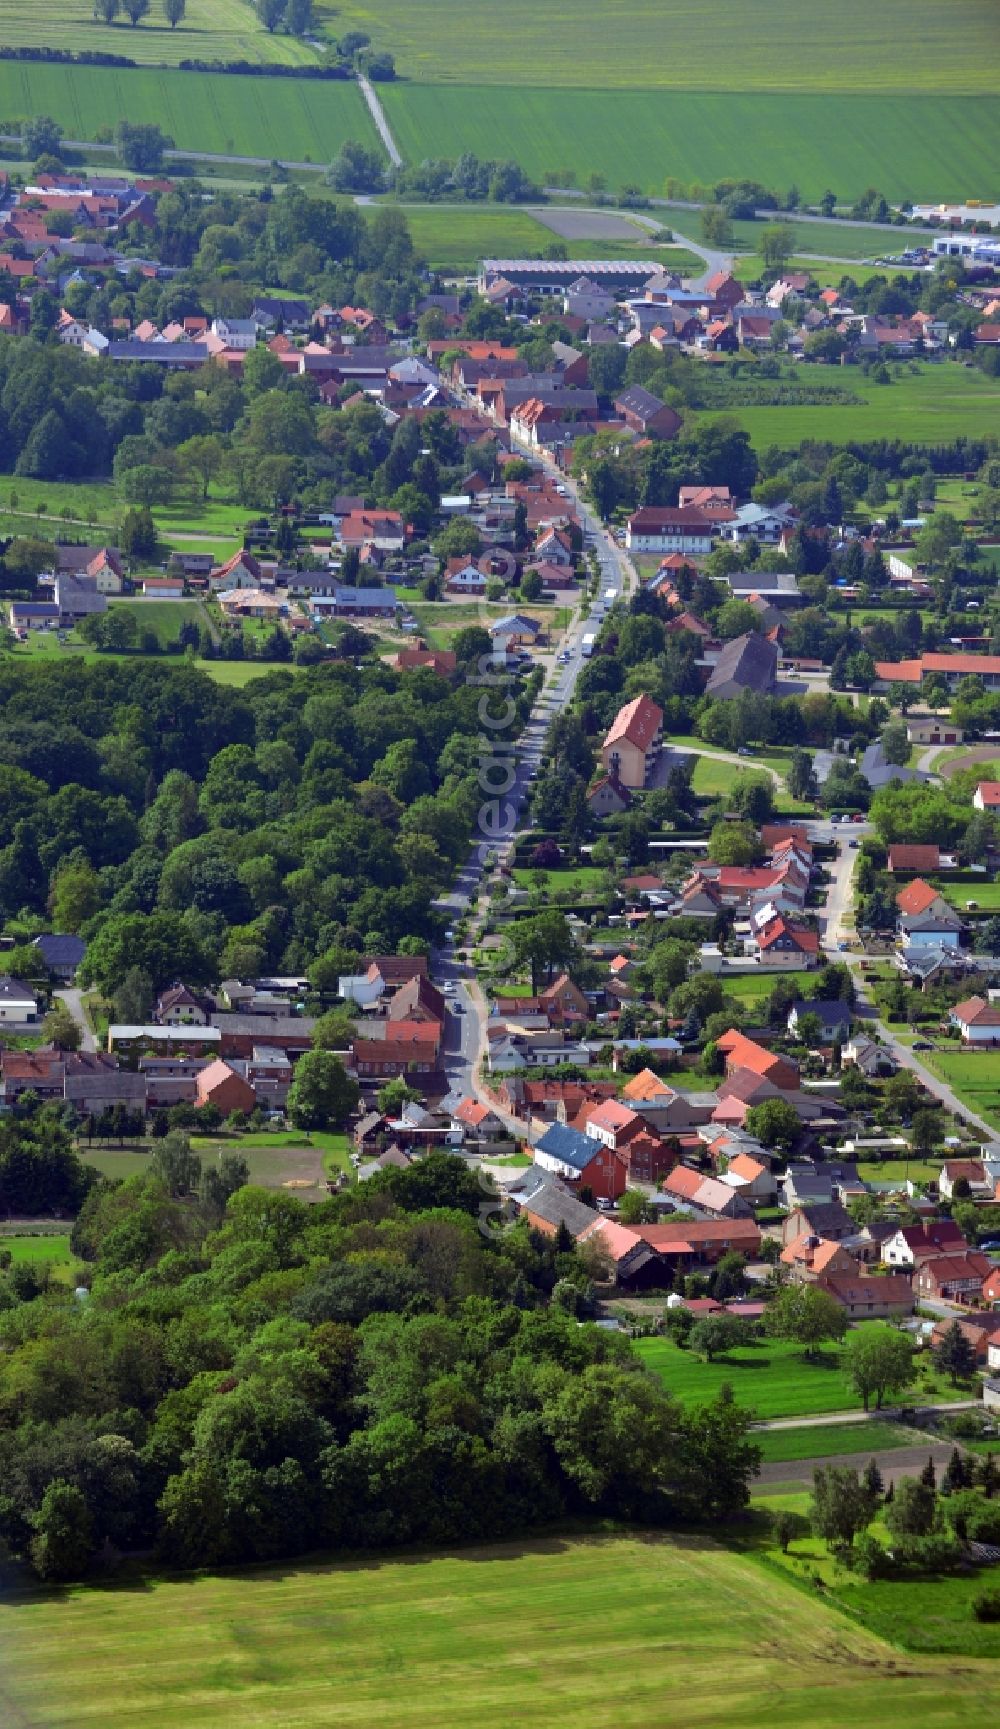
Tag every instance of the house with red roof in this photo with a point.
(780, 943)
(632, 743)
(911, 1244)
(479, 1121)
(987, 795)
(977, 1020)
(743, 1053)
(918, 899)
(953, 1278)
(240, 571)
(950, 668)
(912, 860)
(608, 797)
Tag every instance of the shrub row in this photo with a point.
(245, 68)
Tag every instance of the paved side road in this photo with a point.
(830, 1418)
(893, 1462)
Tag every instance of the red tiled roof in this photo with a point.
(916, 897)
(914, 858)
(638, 722)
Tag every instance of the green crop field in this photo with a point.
(933, 404)
(641, 136)
(782, 1446)
(635, 1632)
(773, 1377)
(210, 30)
(856, 46)
(200, 110)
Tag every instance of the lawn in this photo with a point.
(753, 988)
(929, 406)
(164, 617)
(237, 673)
(441, 620)
(211, 30)
(644, 135)
(51, 1250)
(782, 1446)
(284, 117)
(974, 1076)
(116, 1162)
(527, 1634)
(583, 880)
(898, 1170)
(986, 895)
(772, 1377)
(274, 1158)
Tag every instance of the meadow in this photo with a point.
(973, 1075)
(663, 44)
(453, 239)
(280, 117)
(923, 1615)
(209, 30)
(772, 1377)
(527, 1633)
(829, 239)
(930, 405)
(640, 136)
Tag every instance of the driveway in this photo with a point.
(73, 1000)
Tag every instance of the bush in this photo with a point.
(871, 1560)
(986, 1607)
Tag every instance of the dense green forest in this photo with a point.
(249, 1383)
(188, 830)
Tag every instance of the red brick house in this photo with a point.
(221, 1086)
(953, 1278)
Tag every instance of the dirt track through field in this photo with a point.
(975, 753)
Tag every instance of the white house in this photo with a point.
(758, 522)
(361, 988)
(977, 1020)
(670, 530)
(17, 1004)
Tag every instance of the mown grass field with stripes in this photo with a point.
(635, 1632)
(209, 30)
(243, 116)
